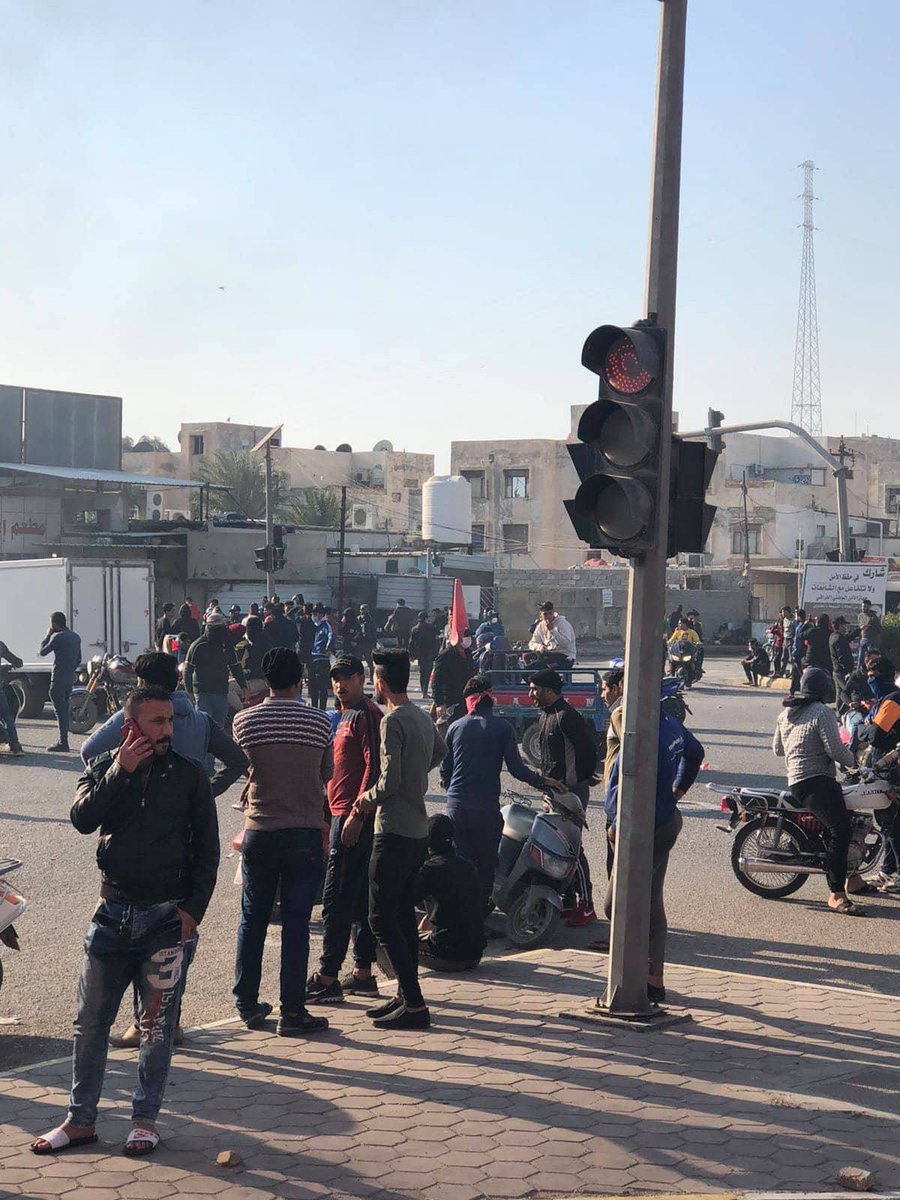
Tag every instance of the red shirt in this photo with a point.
(357, 742)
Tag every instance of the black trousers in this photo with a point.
(822, 796)
(425, 668)
(345, 901)
(393, 868)
(319, 682)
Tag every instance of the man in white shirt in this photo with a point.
(553, 637)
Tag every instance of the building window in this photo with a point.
(515, 485)
(891, 499)
(515, 539)
(820, 531)
(392, 567)
(479, 483)
(196, 443)
(737, 539)
(410, 483)
(477, 539)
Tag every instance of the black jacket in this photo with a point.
(842, 661)
(422, 641)
(568, 749)
(159, 835)
(452, 671)
(207, 666)
(282, 631)
(818, 648)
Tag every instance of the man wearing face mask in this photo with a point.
(209, 662)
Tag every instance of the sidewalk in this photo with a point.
(774, 1086)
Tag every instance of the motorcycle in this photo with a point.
(110, 680)
(12, 906)
(538, 856)
(778, 845)
(683, 663)
(672, 699)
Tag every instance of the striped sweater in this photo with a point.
(289, 748)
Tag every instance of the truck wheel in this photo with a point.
(531, 744)
(82, 714)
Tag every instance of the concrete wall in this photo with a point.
(226, 554)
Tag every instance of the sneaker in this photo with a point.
(323, 993)
(353, 986)
(382, 1010)
(16, 752)
(887, 883)
(581, 914)
(299, 1024)
(58, 748)
(257, 1017)
(402, 1018)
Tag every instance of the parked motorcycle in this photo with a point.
(683, 663)
(12, 906)
(110, 680)
(538, 855)
(778, 845)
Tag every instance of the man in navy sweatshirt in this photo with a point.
(478, 746)
(679, 758)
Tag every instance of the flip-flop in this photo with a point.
(58, 1140)
(847, 908)
(140, 1134)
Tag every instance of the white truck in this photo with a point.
(109, 604)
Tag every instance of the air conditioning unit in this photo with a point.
(175, 514)
(695, 560)
(364, 476)
(361, 517)
(153, 506)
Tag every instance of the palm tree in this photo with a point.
(319, 507)
(244, 477)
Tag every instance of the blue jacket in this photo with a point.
(491, 628)
(678, 763)
(65, 646)
(194, 735)
(477, 747)
(323, 642)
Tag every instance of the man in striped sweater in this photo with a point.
(289, 746)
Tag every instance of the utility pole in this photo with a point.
(270, 522)
(747, 555)
(340, 595)
(843, 517)
(626, 994)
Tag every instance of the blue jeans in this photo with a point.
(215, 704)
(60, 695)
(864, 648)
(127, 943)
(293, 858)
(8, 720)
(345, 900)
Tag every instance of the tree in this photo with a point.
(320, 507)
(244, 475)
(146, 442)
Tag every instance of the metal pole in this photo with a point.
(843, 517)
(428, 569)
(630, 934)
(747, 556)
(270, 523)
(340, 595)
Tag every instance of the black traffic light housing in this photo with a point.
(616, 506)
(714, 419)
(262, 558)
(690, 517)
(277, 547)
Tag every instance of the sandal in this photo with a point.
(867, 889)
(58, 1140)
(140, 1141)
(847, 908)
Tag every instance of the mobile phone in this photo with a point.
(129, 729)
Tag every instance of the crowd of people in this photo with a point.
(334, 802)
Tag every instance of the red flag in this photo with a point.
(459, 622)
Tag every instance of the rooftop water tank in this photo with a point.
(447, 510)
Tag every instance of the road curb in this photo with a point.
(769, 684)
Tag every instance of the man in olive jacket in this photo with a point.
(158, 853)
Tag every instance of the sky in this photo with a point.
(401, 219)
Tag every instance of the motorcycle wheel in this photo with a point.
(531, 744)
(529, 924)
(755, 837)
(82, 714)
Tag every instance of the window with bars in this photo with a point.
(515, 484)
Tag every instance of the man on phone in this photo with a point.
(158, 853)
(65, 646)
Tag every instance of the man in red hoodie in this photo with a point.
(346, 896)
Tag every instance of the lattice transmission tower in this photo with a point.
(806, 400)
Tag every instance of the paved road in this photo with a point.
(714, 922)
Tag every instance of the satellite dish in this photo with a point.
(344, 448)
(383, 445)
(318, 447)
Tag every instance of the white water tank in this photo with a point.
(447, 510)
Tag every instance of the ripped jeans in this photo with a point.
(126, 944)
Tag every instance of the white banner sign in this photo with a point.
(841, 587)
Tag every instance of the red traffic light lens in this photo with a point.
(622, 369)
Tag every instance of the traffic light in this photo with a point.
(690, 517)
(262, 558)
(713, 420)
(616, 506)
(277, 547)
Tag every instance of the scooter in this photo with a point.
(778, 845)
(538, 856)
(12, 906)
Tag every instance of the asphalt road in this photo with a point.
(714, 922)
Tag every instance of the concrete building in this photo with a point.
(384, 486)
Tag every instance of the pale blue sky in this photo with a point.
(419, 210)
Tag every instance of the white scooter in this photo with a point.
(12, 906)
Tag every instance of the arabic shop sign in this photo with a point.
(841, 587)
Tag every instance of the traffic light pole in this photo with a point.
(270, 524)
(626, 993)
